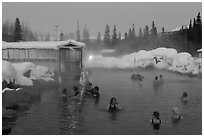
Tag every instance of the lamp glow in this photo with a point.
(91, 57)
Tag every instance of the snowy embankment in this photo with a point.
(161, 58)
(24, 73)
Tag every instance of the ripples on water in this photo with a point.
(53, 115)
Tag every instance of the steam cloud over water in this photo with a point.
(161, 58)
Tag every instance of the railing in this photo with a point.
(29, 60)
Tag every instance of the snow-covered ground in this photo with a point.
(16, 72)
(161, 58)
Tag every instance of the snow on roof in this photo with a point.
(43, 45)
(199, 50)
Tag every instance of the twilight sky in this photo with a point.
(44, 16)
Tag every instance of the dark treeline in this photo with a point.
(187, 38)
(20, 31)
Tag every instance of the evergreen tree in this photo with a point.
(8, 31)
(190, 25)
(140, 33)
(17, 31)
(84, 34)
(27, 34)
(194, 22)
(78, 37)
(114, 36)
(130, 33)
(133, 31)
(119, 36)
(99, 39)
(61, 36)
(106, 39)
(125, 36)
(87, 36)
(146, 32)
(153, 30)
(198, 19)
(47, 37)
(163, 31)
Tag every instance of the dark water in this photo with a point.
(138, 100)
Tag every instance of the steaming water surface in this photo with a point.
(138, 100)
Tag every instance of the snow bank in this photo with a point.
(161, 58)
(21, 69)
(8, 72)
(41, 72)
(24, 73)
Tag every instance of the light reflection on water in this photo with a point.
(53, 115)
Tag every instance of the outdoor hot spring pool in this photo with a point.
(138, 100)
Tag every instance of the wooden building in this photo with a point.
(64, 56)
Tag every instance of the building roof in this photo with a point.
(43, 45)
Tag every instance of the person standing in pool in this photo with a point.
(113, 106)
(156, 121)
(176, 114)
(64, 92)
(156, 82)
(76, 90)
(95, 92)
(184, 97)
(161, 80)
(89, 88)
(64, 96)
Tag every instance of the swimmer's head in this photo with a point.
(113, 101)
(160, 76)
(185, 94)
(96, 88)
(75, 88)
(90, 84)
(64, 91)
(156, 78)
(156, 114)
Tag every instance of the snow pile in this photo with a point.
(21, 69)
(24, 73)
(41, 72)
(161, 58)
(8, 72)
(9, 89)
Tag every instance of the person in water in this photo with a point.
(156, 81)
(76, 90)
(156, 121)
(113, 106)
(176, 114)
(89, 88)
(64, 92)
(161, 80)
(184, 96)
(95, 92)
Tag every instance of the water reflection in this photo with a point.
(113, 116)
(72, 110)
(96, 100)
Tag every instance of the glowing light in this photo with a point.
(91, 57)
